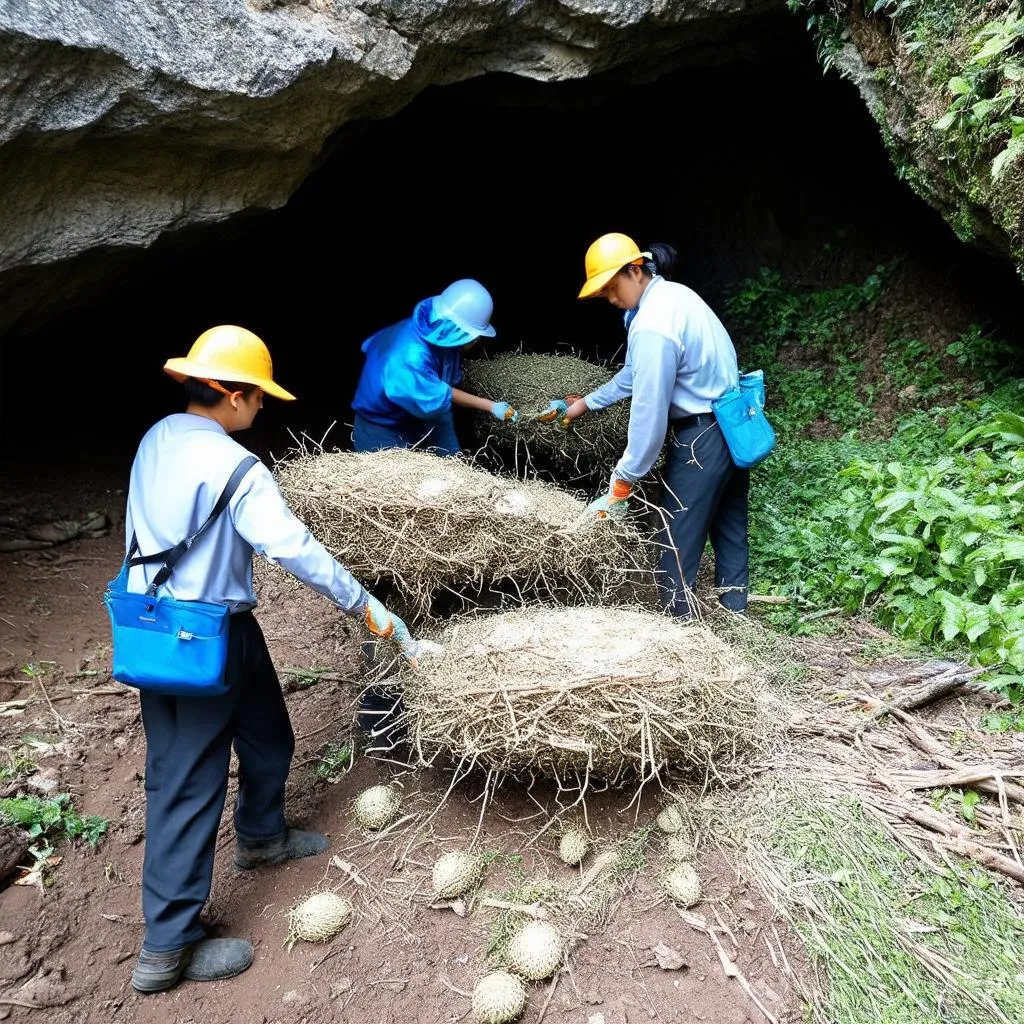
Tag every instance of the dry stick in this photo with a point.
(595, 869)
(728, 965)
(534, 910)
(957, 839)
(551, 992)
(932, 691)
(59, 720)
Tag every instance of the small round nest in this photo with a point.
(536, 951)
(581, 693)
(429, 524)
(498, 998)
(455, 873)
(682, 883)
(678, 846)
(376, 807)
(528, 382)
(670, 819)
(574, 845)
(319, 917)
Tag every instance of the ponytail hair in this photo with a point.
(662, 260)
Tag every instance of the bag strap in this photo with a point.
(172, 556)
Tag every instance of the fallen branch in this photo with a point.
(940, 686)
(960, 840)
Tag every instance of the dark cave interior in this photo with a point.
(740, 165)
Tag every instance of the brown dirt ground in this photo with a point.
(399, 960)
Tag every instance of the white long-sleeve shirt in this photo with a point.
(679, 359)
(180, 469)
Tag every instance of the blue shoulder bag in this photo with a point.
(161, 645)
(740, 415)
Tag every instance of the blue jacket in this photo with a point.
(405, 377)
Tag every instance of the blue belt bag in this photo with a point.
(740, 415)
(161, 645)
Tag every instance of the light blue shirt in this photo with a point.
(179, 472)
(679, 359)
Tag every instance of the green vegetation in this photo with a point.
(334, 762)
(901, 943)
(898, 494)
(53, 820)
(954, 78)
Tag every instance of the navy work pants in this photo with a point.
(438, 436)
(705, 495)
(188, 753)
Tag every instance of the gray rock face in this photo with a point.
(121, 120)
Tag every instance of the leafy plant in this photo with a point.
(52, 819)
(334, 762)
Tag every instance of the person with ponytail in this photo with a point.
(679, 359)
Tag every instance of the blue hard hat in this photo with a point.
(468, 305)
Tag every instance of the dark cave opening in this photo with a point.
(758, 162)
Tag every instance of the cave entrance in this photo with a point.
(763, 161)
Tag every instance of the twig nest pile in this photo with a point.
(498, 997)
(618, 694)
(528, 383)
(670, 819)
(678, 847)
(427, 523)
(536, 951)
(377, 807)
(682, 883)
(318, 917)
(574, 845)
(455, 873)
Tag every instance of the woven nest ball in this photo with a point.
(536, 951)
(682, 884)
(429, 525)
(670, 819)
(679, 847)
(377, 807)
(318, 917)
(498, 998)
(585, 693)
(528, 382)
(574, 845)
(455, 873)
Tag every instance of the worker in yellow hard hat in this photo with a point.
(679, 359)
(184, 464)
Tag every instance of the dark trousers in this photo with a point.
(188, 753)
(438, 437)
(705, 495)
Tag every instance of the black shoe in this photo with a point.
(291, 846)
(206, 960)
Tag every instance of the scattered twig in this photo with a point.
(534, 910)
(551, 992)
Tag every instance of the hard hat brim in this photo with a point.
(179, 369)
(594, 284)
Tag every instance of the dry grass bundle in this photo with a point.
(617, 694)
(428, 523)
(529, 382)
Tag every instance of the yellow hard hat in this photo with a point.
(229, 353)
(605, 258)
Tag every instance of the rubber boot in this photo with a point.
(291, 846)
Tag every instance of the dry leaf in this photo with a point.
(669, 959)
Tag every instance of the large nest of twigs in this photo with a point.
(622, 695)
(528, 382)
(428, 524)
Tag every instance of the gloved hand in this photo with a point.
(554, 410)
(614, 504)
(504, 412)
(382, 623)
